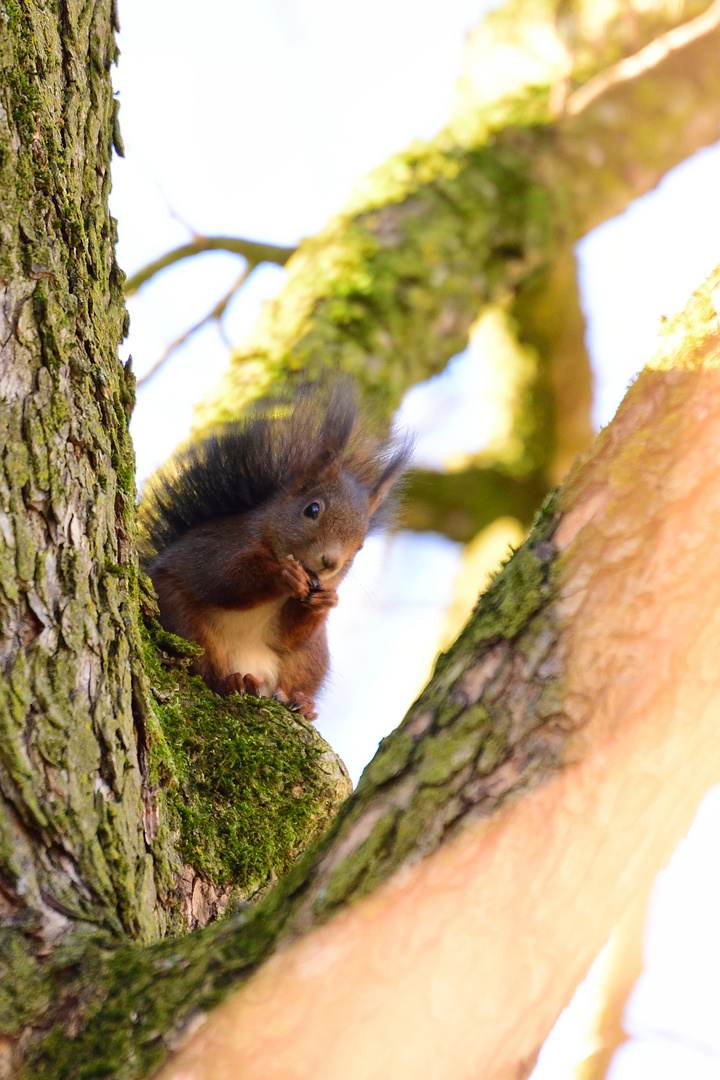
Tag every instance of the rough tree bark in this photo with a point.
(517, 781)
(70, 644)
(104, 800)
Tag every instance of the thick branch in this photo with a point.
(653, 54)
(623, 143)
(461, 504)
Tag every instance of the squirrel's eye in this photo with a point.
(312, 511)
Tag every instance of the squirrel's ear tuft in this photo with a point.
(397, 459)
(324, 414)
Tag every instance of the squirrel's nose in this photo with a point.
(331, 560)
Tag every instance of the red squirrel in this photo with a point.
(247, 534)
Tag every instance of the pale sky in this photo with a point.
(256, 119)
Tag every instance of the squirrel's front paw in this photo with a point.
(295, 578)
(322, 599)
(297, 702)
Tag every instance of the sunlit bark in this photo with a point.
(621, 968)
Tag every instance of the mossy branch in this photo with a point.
(462, 504)
(389, 290)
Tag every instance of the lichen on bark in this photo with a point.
(69, 764)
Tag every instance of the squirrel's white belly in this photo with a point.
(243, 642)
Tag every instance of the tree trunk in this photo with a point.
(92, 844)
(70, 772)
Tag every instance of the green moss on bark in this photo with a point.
(245, 783)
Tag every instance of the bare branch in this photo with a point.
(254, 251)
(216, 314)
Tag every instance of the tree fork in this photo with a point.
(536, 786)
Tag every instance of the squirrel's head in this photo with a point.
(324, 524)
(337, 479)
(311, 476)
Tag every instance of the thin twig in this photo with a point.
(646, 58)
(215, 315)
(254, 251)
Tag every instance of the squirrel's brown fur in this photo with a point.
(247, 534)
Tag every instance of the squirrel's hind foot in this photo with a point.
(248, 684)
(241, 684)
(297, 702)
